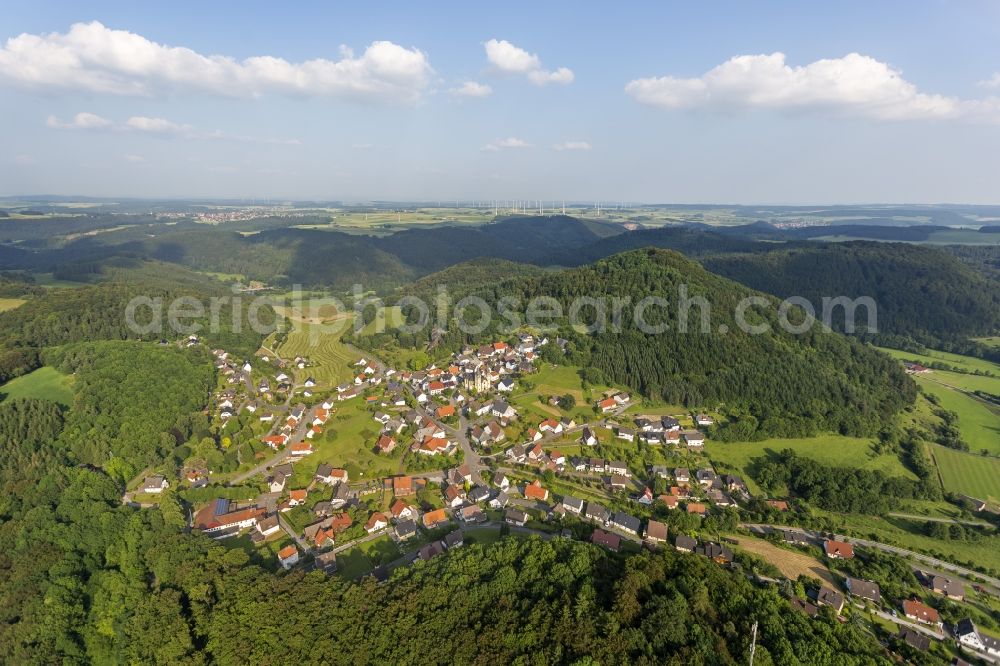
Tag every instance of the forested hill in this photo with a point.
(921, 292)
(774, 384)
(686, 240)
(468, 276)
(97, 312)
(524, 239)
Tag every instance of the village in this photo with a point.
(473, 465)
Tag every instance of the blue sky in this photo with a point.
(656, 102)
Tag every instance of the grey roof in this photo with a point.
(915, 639)
(478, 494)
(626, 522)
(573, 502)
(864, 589)
(516, 515)
(685, 542)
(595, 510)
(829, 597)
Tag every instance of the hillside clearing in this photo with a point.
(11, 303)
(43, 384)
(792, 564)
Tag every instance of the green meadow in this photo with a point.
(44, 384)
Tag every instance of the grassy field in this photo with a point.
(385, 319)
(968, 473)
(555, 380)
(347, 441)
(48, 280)
(10, 303)
(967, 363)
(993, 341)
(828, 449)
(362, 559)
(909, 534)
(330, 359)
(978, 422)
(964, 381)
(45, 384)
(792, 564)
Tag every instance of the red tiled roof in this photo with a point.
(432, 518)
(839, 549)
(920, 611)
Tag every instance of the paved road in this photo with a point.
(934, 562)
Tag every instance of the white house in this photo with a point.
(288, 556)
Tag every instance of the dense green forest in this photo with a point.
(97, 312)
(133, 402)
(919, 291)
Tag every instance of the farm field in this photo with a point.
(968, 473)
(967, 363)
(792, 564)
(835, 450)
(978, 422)
(44, 384)
(330, 359)
(964, 381)
(10, 303)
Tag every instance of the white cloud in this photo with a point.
(992, 82)
(135, 158)
(855, 84)
(572, 145)
(510, 59)
(82, 120)
(503, 144)
(472, 89)
(542, 77)
(157, 126)
(97, 59)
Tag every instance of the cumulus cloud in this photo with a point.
(854, 84)
(98, 59)
(992, 82)
(472, 89)
(504, 144)
(156, 126)
(510, 59)
(82, 120)
(572, 145)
